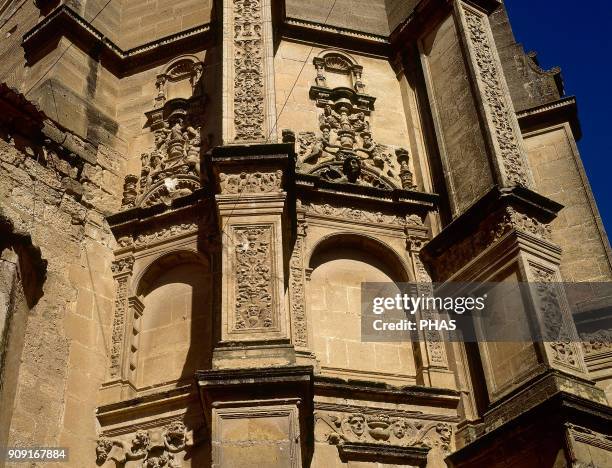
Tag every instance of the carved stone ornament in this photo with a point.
(365, 216)
(332, 154)
(152, 237)
(254, 273)
(433, 338)
(248, 71)
(489, 231)
(495, 100)
(171, 169)
(563, 348)
(596, 342)
(297, 294)
(337, 428)
(153, 448)
(252, 182)
(122, 265)
(344, 150)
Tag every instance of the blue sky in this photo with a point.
(577, 36)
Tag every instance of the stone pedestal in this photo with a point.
(258, 417)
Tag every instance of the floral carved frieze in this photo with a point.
(165, 233)
(381, 428)
(254, 307)
(248, 71)
(599, 341)
(495, 98)
(355, 214)
(252, 182)
(153, 448)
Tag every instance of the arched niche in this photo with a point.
(172, 314)
(339, 264)
(337, 69)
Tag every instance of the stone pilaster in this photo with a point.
(434, 370)
(251, 205)
(249, 111)
(502, 131)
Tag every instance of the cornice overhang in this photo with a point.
(253, 156)
(371, 452)
(65, 22)
(379, 391)
(398, 200)
(427, 13)
(562, 110)
(135, 219)
(540, 207)
(327, 35)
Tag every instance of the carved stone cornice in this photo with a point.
(496, 214)
(65, 21)
(252, 169)
(400, 201)
(413, 394)
(335, 36)
(562, 110)
(380, 429)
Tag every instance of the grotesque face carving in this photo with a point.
(357, 423)
(351, 169)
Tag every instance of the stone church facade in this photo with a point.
(192, 192)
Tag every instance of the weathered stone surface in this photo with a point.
(179, 288)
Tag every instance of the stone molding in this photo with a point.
(493, 217)
(336, 210)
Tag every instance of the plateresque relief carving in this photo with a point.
(172, 168)
(121, 268)
(344, 150)
(254, 308)
(248, 71)
(563, 347)
(495, 99)
(252, 182)
(153, 448)
(338, 428)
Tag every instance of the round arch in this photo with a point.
(146, 273)
(382, 254)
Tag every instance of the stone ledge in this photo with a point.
(562, 110)
(379, 391)
(364, 451)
